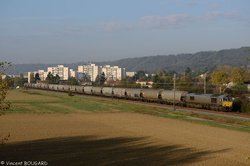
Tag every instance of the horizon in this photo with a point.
(67, 32)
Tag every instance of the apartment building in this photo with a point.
(73, 73)
(90, 71)
(113, 73)
(42, 75)
(131, 74)
(60, 70)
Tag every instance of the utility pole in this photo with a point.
(205, 83)
(174, 91)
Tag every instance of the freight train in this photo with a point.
(170, 97)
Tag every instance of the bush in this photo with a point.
(245, 107)
(241, 104)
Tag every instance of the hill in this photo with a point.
(197, 61)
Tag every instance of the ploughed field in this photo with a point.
(63, 130)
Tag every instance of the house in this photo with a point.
(147, 84)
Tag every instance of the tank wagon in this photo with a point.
(134, 94)
(119, 92)
(170, 97)
(151, 95)
(87, 90)
(96, 90)
(182, 98)
(107, 91)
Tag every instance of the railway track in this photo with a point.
(232, 115)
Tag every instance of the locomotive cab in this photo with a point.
(227, 103)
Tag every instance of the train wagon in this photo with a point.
(97, 90)
(60, 88)
(73, 88)
(88, 90)
(52, 86)
(79, 89)
(119, 92)
(45, 86)
(107, 91)
(134, 94)
(151, 95)
(170, 96)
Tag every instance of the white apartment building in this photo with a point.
(113, 72)
(90, 70)
(60, 70)
(42, 75)
(73, 73)
(131, 74)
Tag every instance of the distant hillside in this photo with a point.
(179, 63)
(197, 61)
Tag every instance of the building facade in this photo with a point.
(42, 75)
(90, 71)
(60, 70)
(85, 73)
(113, 73)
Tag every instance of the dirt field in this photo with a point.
(118, 139)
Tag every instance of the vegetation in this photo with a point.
(51, 79)
(100, 79)
(201, 61)
(72, 81)
(3, 88)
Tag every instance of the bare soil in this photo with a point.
(118, 139)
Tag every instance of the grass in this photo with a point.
(30, 101)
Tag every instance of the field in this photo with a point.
(63, 130)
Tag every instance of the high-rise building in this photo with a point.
(91, 71)
(73, 73)
(60, 70)
(113, 73)
(42, 75)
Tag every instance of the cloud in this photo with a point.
(215, 6)
(112, 26)
(170, 21)
(152, 22)
(229, 15)
(192, 3)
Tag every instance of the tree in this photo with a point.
(219, 78)
(100, 79)
(52, 79)
(161, 72)
(32, 78)
(37, 77)
(72, 81)
(240, 75)
(141, 75)
(128, 82)
(10, 81)
(188, 72)
(3, 88)
(20, 81)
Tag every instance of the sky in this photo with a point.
(71, 31)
